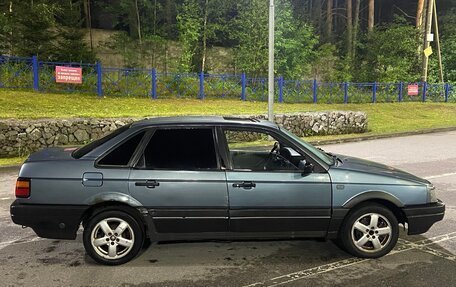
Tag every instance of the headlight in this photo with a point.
(432, 197)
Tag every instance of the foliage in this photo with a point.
(390, 54)
(189, 25)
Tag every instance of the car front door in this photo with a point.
(178, 178)
(268, 191)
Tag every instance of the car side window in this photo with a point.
(122, 154)
(260, 151)
(181, 149)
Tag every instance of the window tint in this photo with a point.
(181, 149)
(80, 152)
(259, 151)
(122, 154)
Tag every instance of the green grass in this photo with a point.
(12, 161)
(383, 118)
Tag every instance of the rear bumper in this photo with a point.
(49, 221)
(421, 217)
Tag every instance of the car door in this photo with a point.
(178, 178)
(268, 191)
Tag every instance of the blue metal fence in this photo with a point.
(31, 73)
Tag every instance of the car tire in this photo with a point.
(369, 231)
(113, 237)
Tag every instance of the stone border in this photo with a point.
(19, 137)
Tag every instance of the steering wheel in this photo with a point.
(276, 147)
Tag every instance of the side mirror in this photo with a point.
(306, 167)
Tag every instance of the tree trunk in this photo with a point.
(138, 22)
(203, 60)
(419, 14)
(349, 8)
(329, 19)
(370, 19)
(356, 27)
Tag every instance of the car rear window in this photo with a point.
(82, 151)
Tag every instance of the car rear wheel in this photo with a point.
(113, 237)
(370, 231)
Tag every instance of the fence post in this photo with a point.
(345, 93)
(401, 88)
(154, 83)
(280, 89)
(201, 89)
(314, 91)
(243, 83)
(447, 91)
(424, 91)
(374, 93)
(36, 79)
(99, 80)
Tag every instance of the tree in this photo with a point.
(329, 19)
(390, 54)
(70, 45)
(349, 8)
(371, 16)
(189, 25)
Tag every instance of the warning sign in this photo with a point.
(68, 75)
(412, 90)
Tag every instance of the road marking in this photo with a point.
(440, 175)
(5, 198)
(404, 246)
(18, 241)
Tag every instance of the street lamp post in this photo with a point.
(271, 62)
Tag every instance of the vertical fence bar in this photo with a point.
(201, 87)
(154, 83)
(374, 93)
(401, 88)
(424, 91)
(243, 84)
(345, 93)
(36, 79)
(314, 91)
(280, 89)
(447, 91)
(99, 80)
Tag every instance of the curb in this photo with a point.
(345, 140)
(382, 136)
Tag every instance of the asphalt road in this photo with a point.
(422, 260)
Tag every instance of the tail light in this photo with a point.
(23, 187)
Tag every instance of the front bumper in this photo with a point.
(49, 221)
(421, 217)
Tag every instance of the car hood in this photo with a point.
(366, 166)
(53, 153)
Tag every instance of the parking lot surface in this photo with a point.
(422, 260)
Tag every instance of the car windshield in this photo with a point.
(328, 159)
(80, 152)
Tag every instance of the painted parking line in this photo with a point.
(440, 175)
(403, 246)
(19, 241)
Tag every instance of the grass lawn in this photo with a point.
(383, 118)
(12, 161)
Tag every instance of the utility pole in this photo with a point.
(437, 39)
(271, 62)
(427, 43)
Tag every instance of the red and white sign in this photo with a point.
(412, 90)
(68, 75)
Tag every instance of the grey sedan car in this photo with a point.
(197, 178)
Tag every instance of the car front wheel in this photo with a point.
(113, 237)
(370, 231)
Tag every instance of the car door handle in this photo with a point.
(148, 183)
(244, 185)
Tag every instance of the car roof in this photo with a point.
(204, 120)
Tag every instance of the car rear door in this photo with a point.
(178, 178)
(273, 197)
